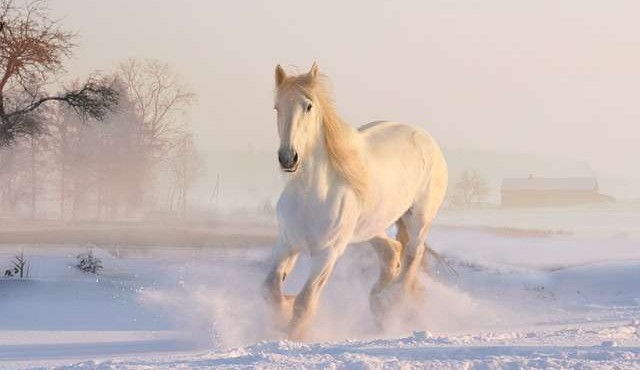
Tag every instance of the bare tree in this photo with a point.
(470, 187)
(13, 180)
(60, 136)
(121, 175)
(35, 147)
(159, 98)
(100, 168)
(185, 165)
(32, 49)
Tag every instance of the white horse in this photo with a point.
(345, 186)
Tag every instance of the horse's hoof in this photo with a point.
(383, 302)
(282, 311)
(296, 335)
(287, 306)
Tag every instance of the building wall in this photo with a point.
(546, 198)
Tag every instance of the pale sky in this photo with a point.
(547, 77)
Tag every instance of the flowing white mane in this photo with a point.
(339, 137)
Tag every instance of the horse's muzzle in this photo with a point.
(288, 159)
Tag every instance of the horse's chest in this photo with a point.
(314, 223)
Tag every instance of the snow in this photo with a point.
(516, 300)
(402, 353)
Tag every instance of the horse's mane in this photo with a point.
(339, 137)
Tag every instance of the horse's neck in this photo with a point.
(317, 175)
(316, 169)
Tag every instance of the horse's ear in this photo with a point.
(280, 75)
(313, 72)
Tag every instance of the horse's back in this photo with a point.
(396, 137)
(373, 125)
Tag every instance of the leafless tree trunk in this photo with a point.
(9, 175)
(63, 171)
(185, 166)
(34, 180)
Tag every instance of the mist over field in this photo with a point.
(139, 177)
(519, 83)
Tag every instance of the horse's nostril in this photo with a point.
(288, 158)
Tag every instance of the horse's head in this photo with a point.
(298, 116)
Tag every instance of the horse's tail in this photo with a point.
(403, 237)
(440, 260)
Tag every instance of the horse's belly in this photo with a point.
(367, 229)
(381, 214)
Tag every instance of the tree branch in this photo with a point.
(94, 100)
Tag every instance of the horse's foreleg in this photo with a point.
(284, 259)
(306, 302)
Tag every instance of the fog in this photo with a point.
(535, 106)
(507, 84)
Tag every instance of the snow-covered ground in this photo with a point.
(516, 300)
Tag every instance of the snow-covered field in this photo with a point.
(517, 300)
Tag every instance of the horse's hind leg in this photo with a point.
(402, 235)
(417, 224)
(389, 253)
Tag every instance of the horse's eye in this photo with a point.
(309, 106)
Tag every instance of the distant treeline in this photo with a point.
(102, 148)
